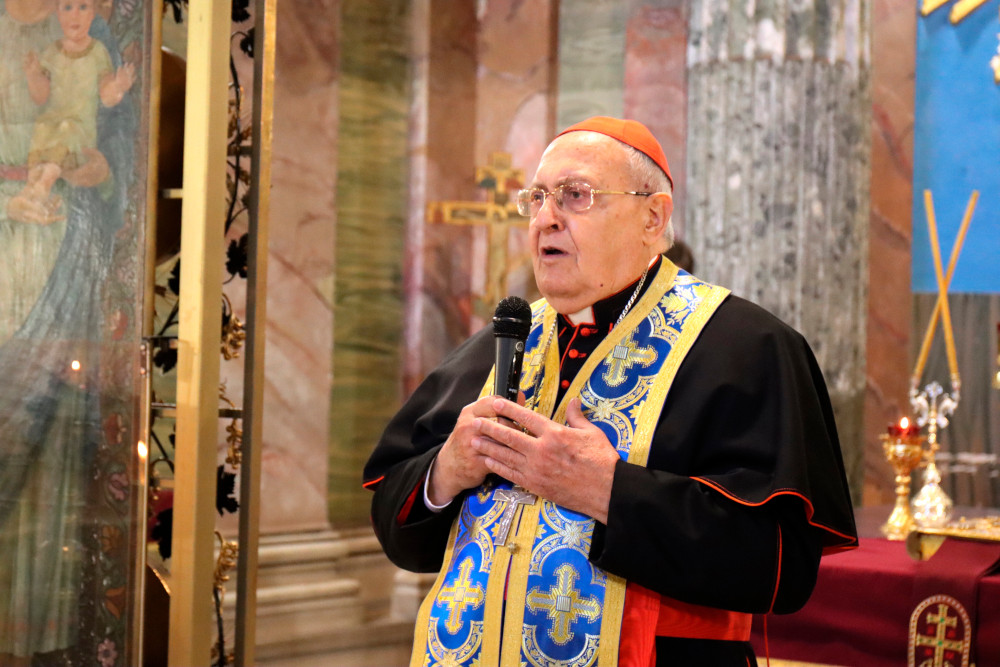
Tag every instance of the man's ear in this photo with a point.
(660, 206)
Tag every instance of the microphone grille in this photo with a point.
(512, 317)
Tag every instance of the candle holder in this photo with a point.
(932, 508)
(904, 453)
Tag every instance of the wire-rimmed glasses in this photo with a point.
(572, 197)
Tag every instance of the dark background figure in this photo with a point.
(681, 255)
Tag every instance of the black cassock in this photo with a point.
(748, 415)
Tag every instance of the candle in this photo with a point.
(941, 307)
(904, 429)
(949, 337)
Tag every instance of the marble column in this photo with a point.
(778, 164)
(368, 248)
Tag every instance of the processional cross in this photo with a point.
(498, 213)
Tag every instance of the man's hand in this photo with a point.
(459, 465)
(572, 465)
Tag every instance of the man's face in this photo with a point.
(581, 258)
(75, 17)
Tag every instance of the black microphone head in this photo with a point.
(512, 318)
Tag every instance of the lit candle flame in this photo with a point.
(904, 423)
(75, 365)
(143, 450)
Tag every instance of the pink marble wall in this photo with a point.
(300, 263)
(890, 299)
(515, 105)
(656, 85)
(486, 82)
(442, 167)
(483, 82)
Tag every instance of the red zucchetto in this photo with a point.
(630, 132)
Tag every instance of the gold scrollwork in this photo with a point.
(226, 561)
(234, 433)
(233, 333)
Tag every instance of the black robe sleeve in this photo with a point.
(413, 537)
(745, 486)
(743, 490)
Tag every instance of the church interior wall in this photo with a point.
(382, 107)
(483, 77)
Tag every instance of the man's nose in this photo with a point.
(549, 215)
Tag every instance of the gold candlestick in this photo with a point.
(904, 452)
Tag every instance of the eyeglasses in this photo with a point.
(572, 197)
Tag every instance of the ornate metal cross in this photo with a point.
(498, 213)
(513, 497)
(563, 604)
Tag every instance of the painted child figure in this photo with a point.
(69, 79)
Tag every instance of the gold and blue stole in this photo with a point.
(536, 599)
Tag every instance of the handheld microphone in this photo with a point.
(511, 324)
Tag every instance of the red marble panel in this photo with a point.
(656, 85)
(452, 61)
(889, 299)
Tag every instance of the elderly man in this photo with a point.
(673, 469)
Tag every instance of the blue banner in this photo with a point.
(957, 146)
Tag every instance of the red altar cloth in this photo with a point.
(860, 611)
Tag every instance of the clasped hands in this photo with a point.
(570, 464)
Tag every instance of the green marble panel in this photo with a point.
(591, 59)
(371, 209)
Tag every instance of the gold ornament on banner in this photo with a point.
(940, 633)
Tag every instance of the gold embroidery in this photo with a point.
(952, 633)
(563, 603)
(575, 534)
(456, 598)
(939, 641)
(625, 355)
(444, 657)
